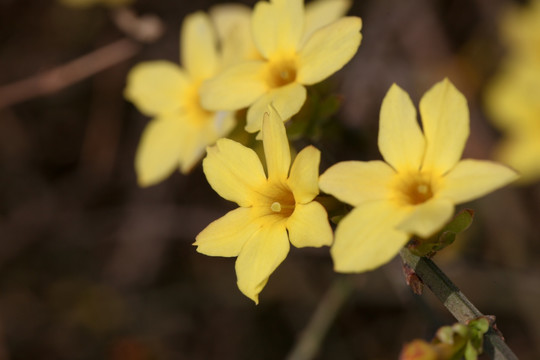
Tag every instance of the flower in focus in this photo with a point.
(296, 50)
(274, 209)
(415, 190)
(181, 128)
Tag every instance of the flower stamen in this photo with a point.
(276, 207)
(414, 188)
(281, 73)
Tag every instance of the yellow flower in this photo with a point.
(512, 100)
(181, 128)
(233, 25)
(273, 209)
(293, 55)
(513, 96)
(521, 31)
(415, 190)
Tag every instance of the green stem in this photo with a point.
(454, 300)
(311, 338)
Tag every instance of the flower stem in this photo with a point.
(457, 303)
(308, 344)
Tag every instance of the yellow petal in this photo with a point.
(259, 257)
(426, 218)
(471, 179)
(356, 182)
(304, 177)
(522, 153)
(308, 226)
(200, 133)
(263, 28)
(401, 141)
(159, 150)
(234, 171)
(509, 99)
(193, 147)
(226, 235)
(287, 100)
(277, 26)
(156, 87)
(228, 17)
(198, 46)
(445, 119)
(320, 13)
(233, 25)
(289, 23)
(366, 239)
(328, 50)
(276, 146)
(234, 88)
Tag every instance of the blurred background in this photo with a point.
(94, 267)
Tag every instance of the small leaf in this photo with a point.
(460, 330)
(453, 342)
(445, 237)
(470, 352)
(460, 222)
(445, 335)
(478, 327)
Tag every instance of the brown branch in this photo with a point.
(68, 74)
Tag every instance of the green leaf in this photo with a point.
(446, 335)
(470, 352)
(478, 327)
(460, 222)
(445, 237)
(452, 342)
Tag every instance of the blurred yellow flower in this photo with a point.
(415, 190)
(274, 209)
(296, 50)
(513, 103)
(233, 24)
(87, 3)
(181, 128)
(513, 97)
(521, 31)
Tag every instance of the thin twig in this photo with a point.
(457, 303)
(310, 340)
(65, 75)
(143, 28)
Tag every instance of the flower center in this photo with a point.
(192, 105)
(414, 188)
(280, 201)
(281, 73)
